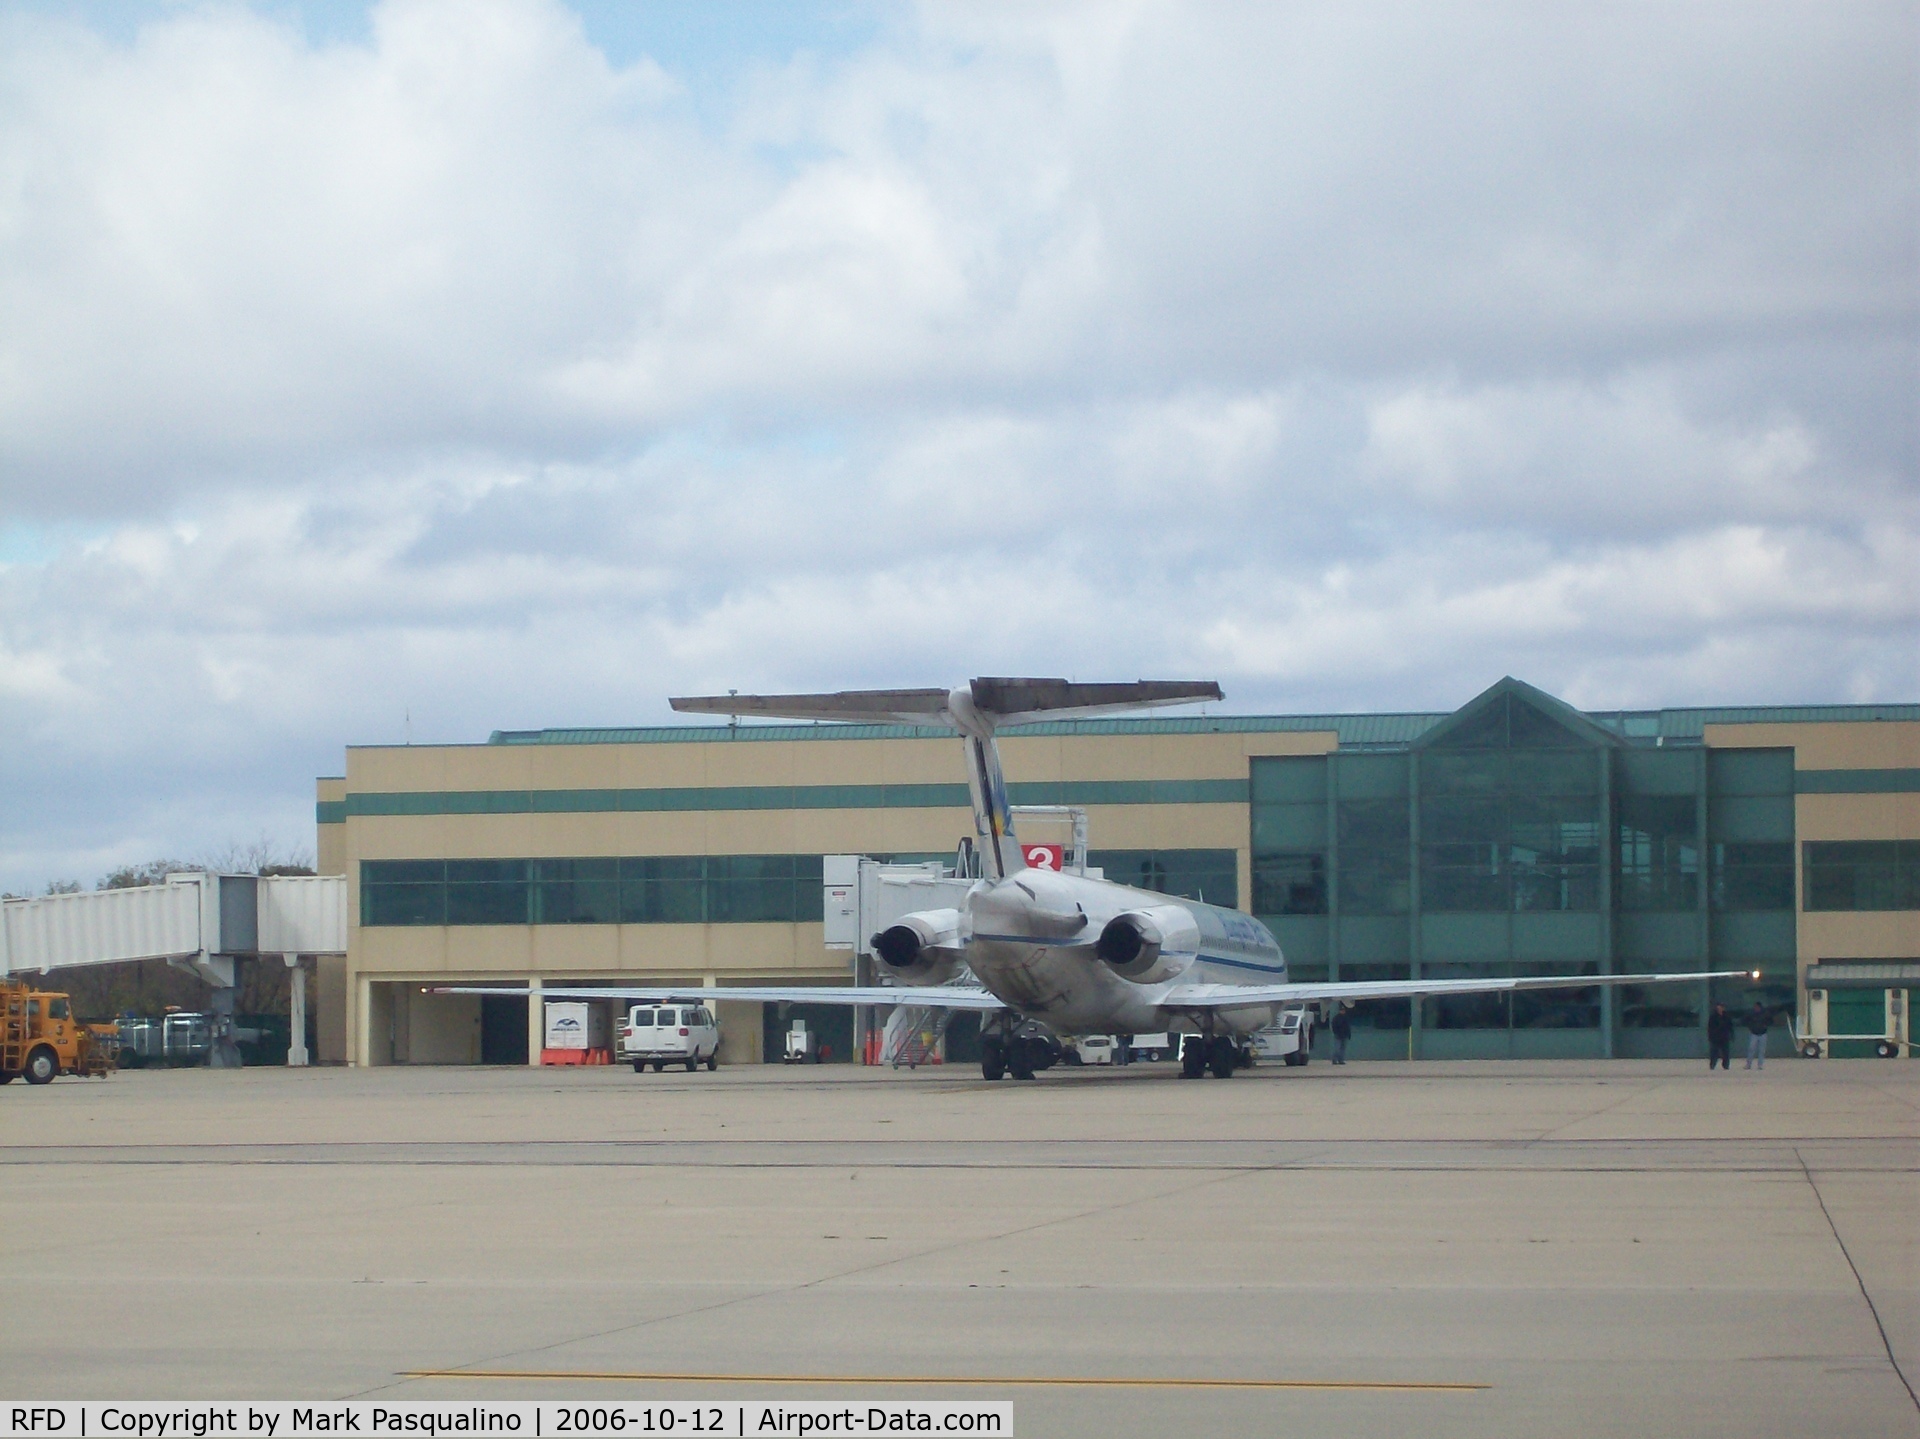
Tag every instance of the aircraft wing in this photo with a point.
(1228, 996)
(935, 996)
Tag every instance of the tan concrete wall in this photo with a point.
(440, 1028)
(1869, 934)
(330, 840)
(639, 951)
(1875, 934)
(741, 1037)
(382, 1024)
(330, 1009)
(421, 768)
(1857, 816)
(1882, 744)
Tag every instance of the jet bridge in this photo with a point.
(198, 921)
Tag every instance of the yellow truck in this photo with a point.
(40, 1038)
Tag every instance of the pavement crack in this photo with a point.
(1872, 1308)
(1631, 1094)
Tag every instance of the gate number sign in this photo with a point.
(1045, 856)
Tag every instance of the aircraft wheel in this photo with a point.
(1020, 1059)
(42, 1065)
(1223, 1057)
(1193, 1057)
(993, 1059)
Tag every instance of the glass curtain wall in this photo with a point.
(1373, 892)
(1750, 845)
(1519, 838)
(1659, 897)
(1290, 863)
(1511, 821)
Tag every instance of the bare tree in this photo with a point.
(135, 876)
(261, 856)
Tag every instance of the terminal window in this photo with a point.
(650, 889)
(1862, 874)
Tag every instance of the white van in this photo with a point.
(663, 1034)
(1094, 1049)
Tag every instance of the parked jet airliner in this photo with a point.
(1065, 954)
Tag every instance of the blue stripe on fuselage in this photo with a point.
(1068, 944)
(1243, 964)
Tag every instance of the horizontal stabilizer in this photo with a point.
(1020, 701)
(927, 707)
(1007, 701)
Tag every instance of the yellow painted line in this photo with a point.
(1001, 1381)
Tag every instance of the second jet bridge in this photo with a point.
(198, 920)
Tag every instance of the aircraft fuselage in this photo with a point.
(1033, 942)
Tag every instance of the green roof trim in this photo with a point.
(1856, 781)
(784, 797)
(1378, 728)
(1557, 712)
(1354, 731)
(1692, 723)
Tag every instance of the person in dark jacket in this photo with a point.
(1758, 1020)
(1342, 1032)
(1720, 1038)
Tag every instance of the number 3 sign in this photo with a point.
(1045, 856)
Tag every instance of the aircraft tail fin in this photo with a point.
(977, 712)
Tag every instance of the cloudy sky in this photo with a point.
(475, 364)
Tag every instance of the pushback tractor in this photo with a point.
(40, 1039)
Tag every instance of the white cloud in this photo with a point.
(1623, 456)
(1356, 356)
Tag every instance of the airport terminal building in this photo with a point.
(1514, 835)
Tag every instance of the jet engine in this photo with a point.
(921, 948)
(1149, 946)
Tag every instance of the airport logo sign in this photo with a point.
(1045, 856)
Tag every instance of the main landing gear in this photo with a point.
(1020, 1055)
(1215, 1053)
(993, 1058)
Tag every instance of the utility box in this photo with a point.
(576, 1024)
(862, 896)
(840, 907)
